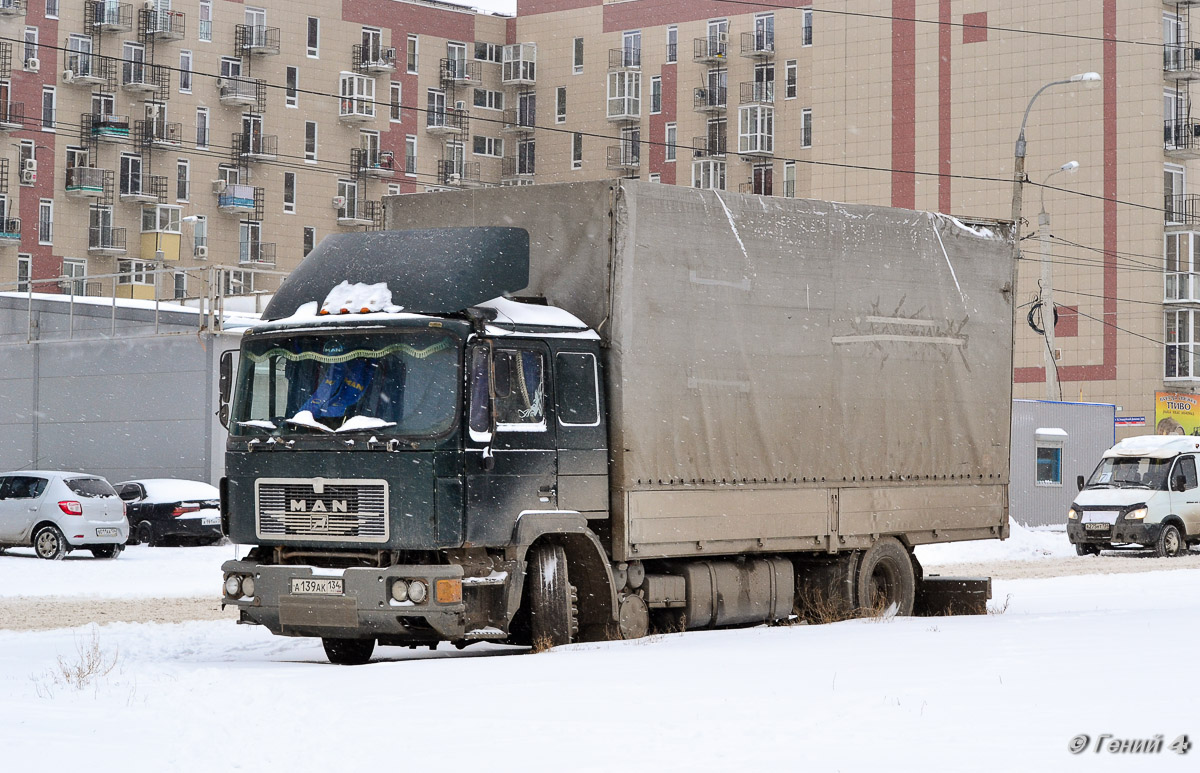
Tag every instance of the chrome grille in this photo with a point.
(323, 510)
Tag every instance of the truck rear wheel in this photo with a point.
(886, 578)
(348, 652)
(553, 617)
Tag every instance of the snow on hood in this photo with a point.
(1154, 446)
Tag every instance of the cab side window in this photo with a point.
(520, 391)
(1187, 468)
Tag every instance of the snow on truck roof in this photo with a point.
(1154, 446)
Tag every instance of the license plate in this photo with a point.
(323, 587)
(210, 520)
(1096, 526)
(1108, 517)
(106, 532)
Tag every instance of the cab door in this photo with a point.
(1186, 503)
(515, 469)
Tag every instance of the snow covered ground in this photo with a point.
(1088, 654)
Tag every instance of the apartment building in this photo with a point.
(192, 133)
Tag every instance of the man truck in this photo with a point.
(574, 412)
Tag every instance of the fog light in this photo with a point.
(447, 591)
(248, 586)
(400, 590)
(417, 591)
(233, 586)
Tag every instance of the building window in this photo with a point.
(31, 49)
(708, 174)
(672, 141)
(488, 52)
(204, 30)
(412, 54)
(526, 157)
(672, 45)
(656, 95)
(655, 177)
(1049, 464)
(289, 192)
(789, 179)
(51, 9)
(394, 105)
(75, 270)
(492, 100)
(790, 77)
(560, 104)
(578, 62)
(806, 127)
(1182, 354)
(357, 95)
(487, 146)
(48, 108)
(314, 37)
(310, 140)
(806, 37)
(1173, 194)
(291, 93)
(310, 239)
(624, 94)
(185, 72)
(24, 272)
(756, 129)
(46, 221)
(576, 150)
(135, 272)
(161, 218)
(131, 174)
(180, 282)
(202, 127)
(200, 237)
(1181, 280)
(25, 161)
(183, 179)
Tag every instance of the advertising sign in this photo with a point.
(1176, 414)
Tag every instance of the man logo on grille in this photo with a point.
(335, 506)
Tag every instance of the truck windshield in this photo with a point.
(400, 382)
(1131, 472)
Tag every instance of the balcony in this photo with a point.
(519, 121)
(86, 182)
(758, 45)
(256, 40)
(139, 77)
(254, 147)
(105, 128)
(626, 158)
(372, 163)
(1181, 61)
(256, 254)
(144, 188)
(1182, 209)
(711, 49)
(158, 134)
(106, 16)
(356, 110)
(163, 25)
(708, 147)
(12, 116)
(374, 59)
(1181, 138)
(751, 93)
(460, 72)
(10, 231)
(624, 59)
(516, 167)
(457, 173)
(244, 92)
(450, 121)
(519, 67)
(237, 198)
(12, 8)
(706, 100)
(106, 240)
(358, 212)
(87, 70)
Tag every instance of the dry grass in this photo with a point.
(999, 609)
(89, 666)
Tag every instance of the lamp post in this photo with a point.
(1047, 291)
(1019, 174)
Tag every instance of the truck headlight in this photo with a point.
(400, 590)
(248, 586)
(1073, 514)
(417, 591)
(1136, 515)
(233, 586)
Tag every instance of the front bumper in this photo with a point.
(1123, 532)
(364, 610)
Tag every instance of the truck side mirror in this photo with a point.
(225, 385)
(1079, 482)
(480, 419)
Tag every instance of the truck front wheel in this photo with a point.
(349, 652)
(886, 578)
(553, 617)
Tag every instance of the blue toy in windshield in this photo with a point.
(342, 383)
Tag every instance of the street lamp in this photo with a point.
(1019, 171)
(1049, 315)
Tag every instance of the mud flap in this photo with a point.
(937, 595)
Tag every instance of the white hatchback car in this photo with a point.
(57, 512)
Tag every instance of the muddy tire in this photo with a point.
(107, 551)
(1082, 549)
(348, 652)
(553, 614)
(1170, 542)
(886, 579)
(145, 534)
(49, 543)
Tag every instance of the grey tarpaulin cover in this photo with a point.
(759, 337)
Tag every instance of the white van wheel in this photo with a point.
(1169, 543)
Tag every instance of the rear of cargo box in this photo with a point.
(783, 374)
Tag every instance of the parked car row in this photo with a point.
(56, 512)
